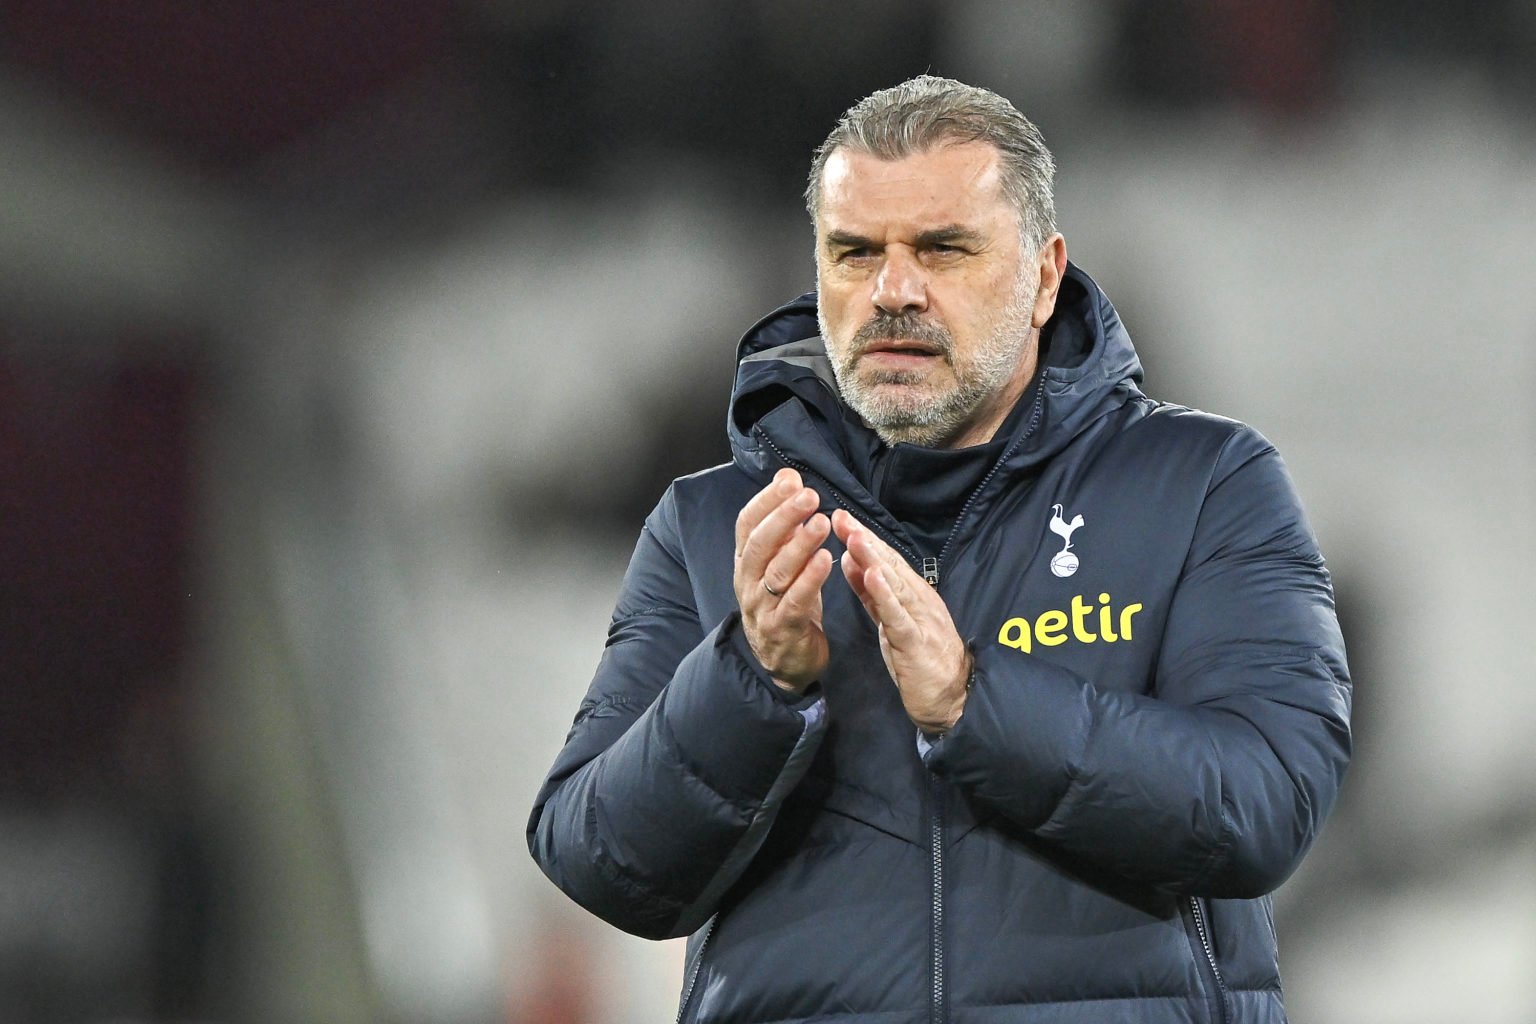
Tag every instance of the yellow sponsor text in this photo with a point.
(1085, 622)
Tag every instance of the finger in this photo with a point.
(858, 547)
(858, 552)
(843, 524)
(887, 607)
(803, 598)
(872, 553)
(875, 551)
(785, 482)
(879, 550)
(853, 572)
(787, 563)
(765, 539)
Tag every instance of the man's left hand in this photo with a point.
(922, 649)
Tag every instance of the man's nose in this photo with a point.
(902, 284)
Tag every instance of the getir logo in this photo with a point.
(1051, 628)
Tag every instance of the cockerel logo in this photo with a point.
(1064, 562)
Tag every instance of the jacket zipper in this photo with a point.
(930, 568)
(1029, 429)
(1210, 956)
(693, 972)
(938, 1009)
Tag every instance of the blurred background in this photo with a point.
(344, 347)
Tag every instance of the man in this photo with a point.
(1071, 703)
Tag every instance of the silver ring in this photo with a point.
(770, 590)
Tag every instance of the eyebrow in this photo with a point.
(946, 235)
(847, 240)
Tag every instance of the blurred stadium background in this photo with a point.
(344, 346)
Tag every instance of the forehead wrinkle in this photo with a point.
(858, 184)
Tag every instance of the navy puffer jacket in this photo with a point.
(1157, 727)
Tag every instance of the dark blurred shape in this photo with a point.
(756, 85)
(223, 82)
(95, 518)
(114, 901)
(1280, 58)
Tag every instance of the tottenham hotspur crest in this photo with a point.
(1064, 562)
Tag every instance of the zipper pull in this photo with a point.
(931, 571)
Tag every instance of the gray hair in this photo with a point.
(924, 112)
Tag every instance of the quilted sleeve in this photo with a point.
(1217, 783)
(678, 760)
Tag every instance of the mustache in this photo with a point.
(885, 326)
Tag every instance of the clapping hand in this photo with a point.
(922, 649)
(780, 569)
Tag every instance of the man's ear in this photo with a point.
(1052, 265)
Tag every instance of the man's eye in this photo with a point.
(856, 254)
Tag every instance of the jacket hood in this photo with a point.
(785, 391)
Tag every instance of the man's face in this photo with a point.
(927, 299)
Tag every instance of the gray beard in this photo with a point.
(896, 419)
(930, 421)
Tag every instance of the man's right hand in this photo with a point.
(780, 567)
